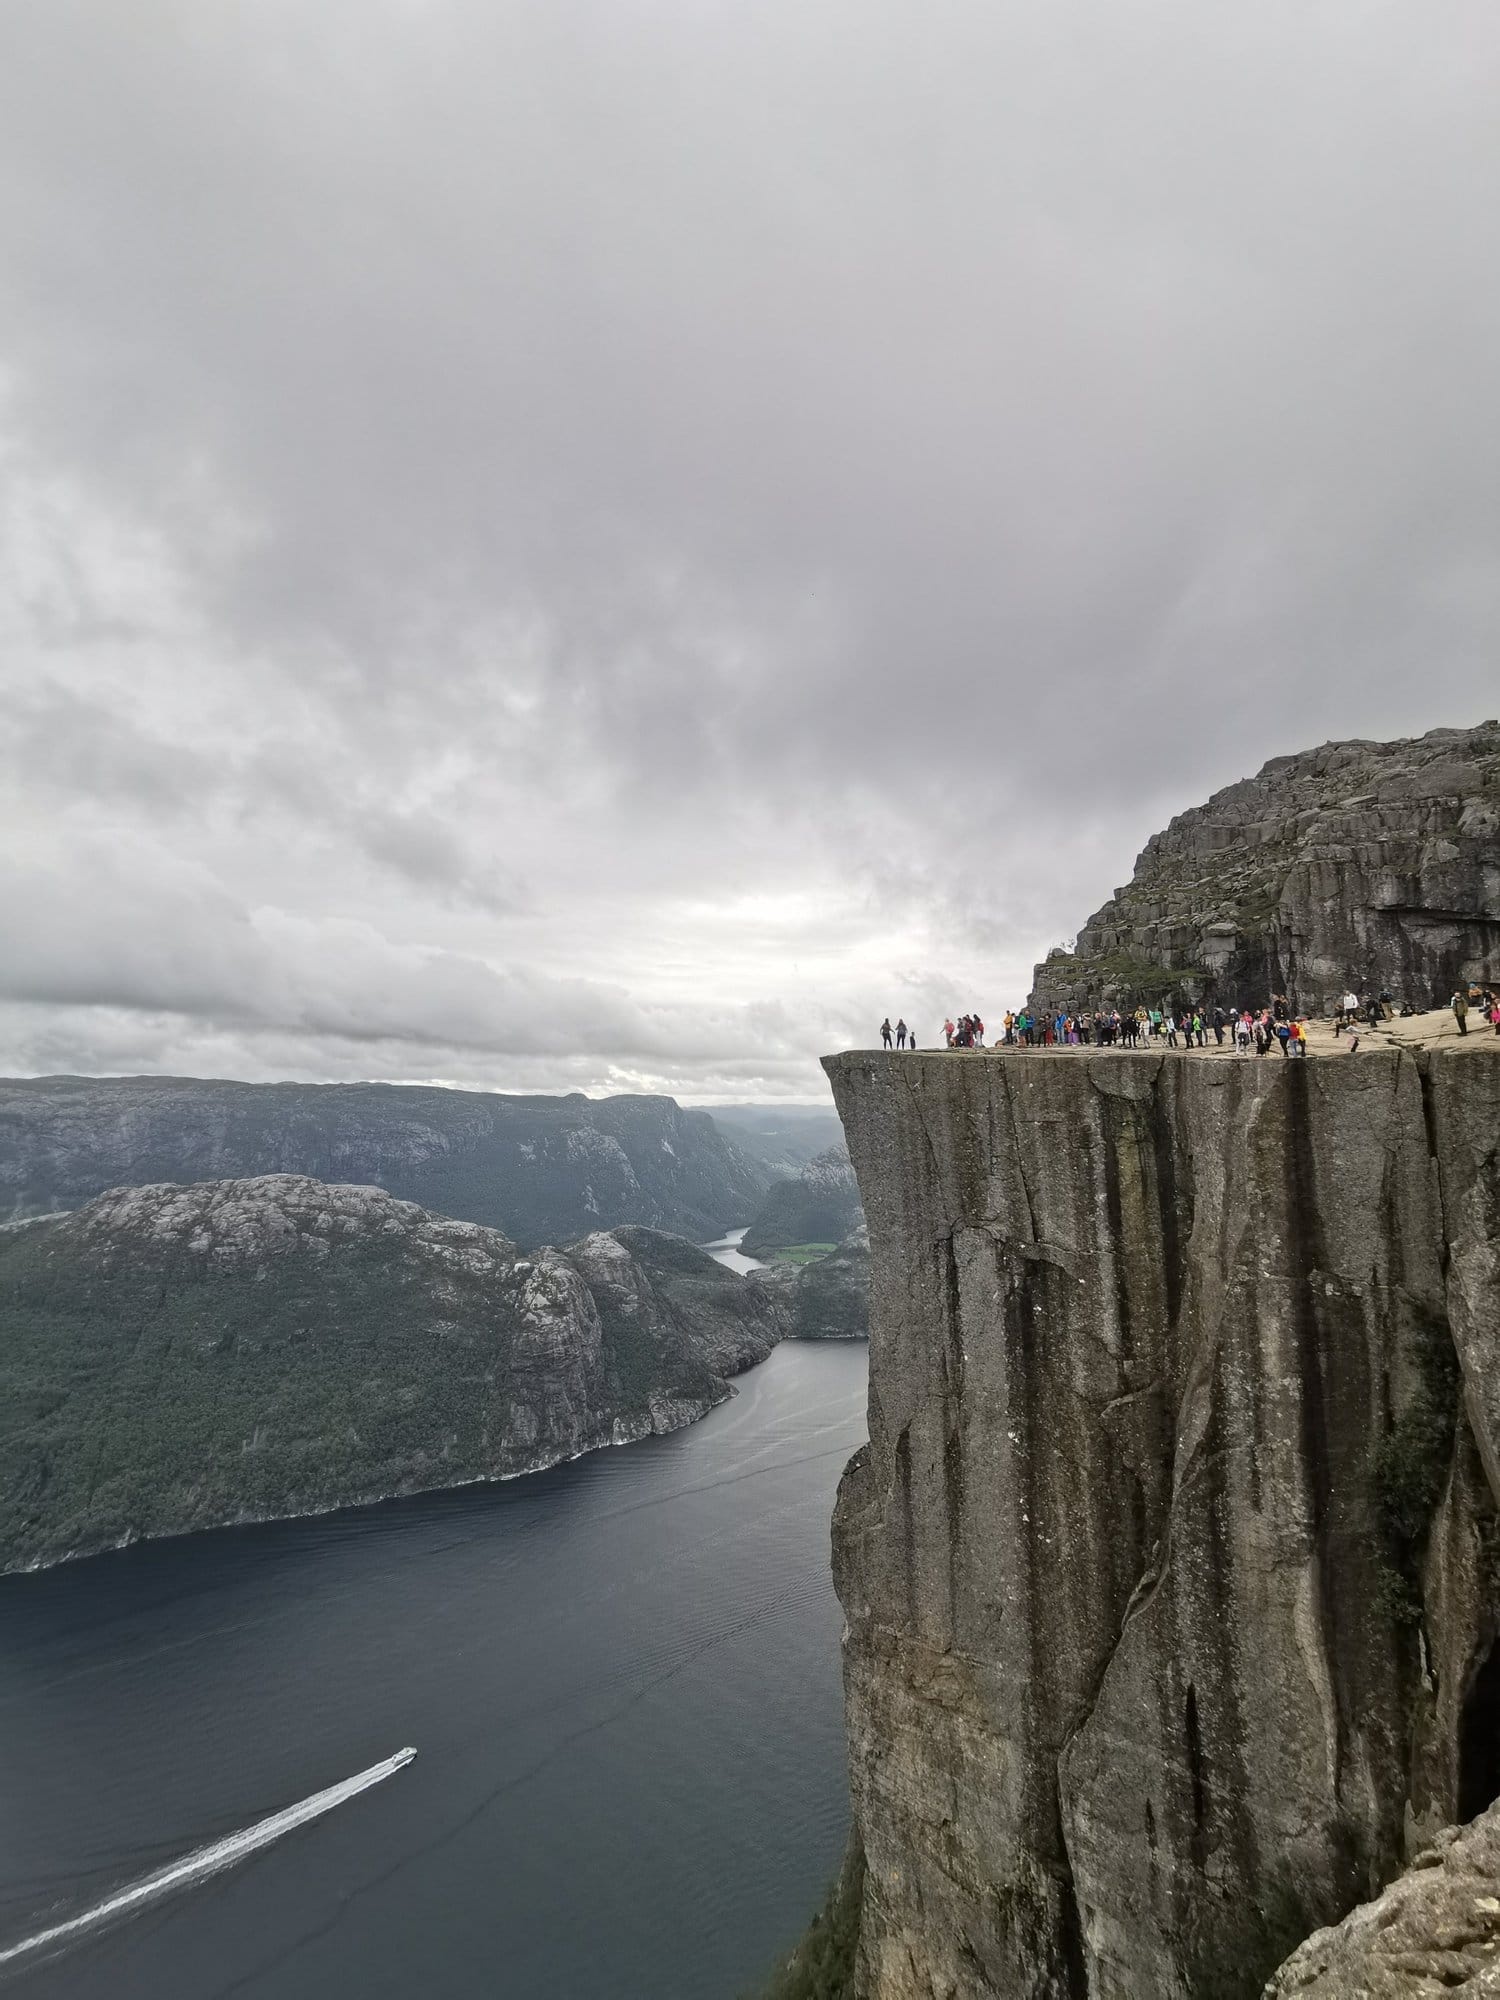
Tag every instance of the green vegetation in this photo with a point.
(1141, 981)
(822, 1966)
(148, 1394)
(818, 1205)
(168, 1365)
(802, 1253)
(1410, 1465)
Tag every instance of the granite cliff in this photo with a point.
(1171, 1571)
(544, 1169)
(181, 1357)
(1375, 865)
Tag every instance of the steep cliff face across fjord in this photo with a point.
(544, 1169)
(1170, 1571)
(174, 1358)
(817, 1204)
(1375, 865)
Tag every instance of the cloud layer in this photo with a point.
(610, 545)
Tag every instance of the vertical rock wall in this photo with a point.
(1171, 1560)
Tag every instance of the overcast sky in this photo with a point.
(607, 544)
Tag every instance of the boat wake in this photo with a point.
(210, 1860)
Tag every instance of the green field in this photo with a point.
(802, 1253)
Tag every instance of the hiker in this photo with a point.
(1298, 1038)
(1460, 1005)
(885, 1031)
(1284, 1034)
(911, 1038)
(900, 1034)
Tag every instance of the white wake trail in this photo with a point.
(214, 1858)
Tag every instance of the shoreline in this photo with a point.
(360, 1503)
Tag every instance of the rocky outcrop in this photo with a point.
(180, 1357)
(818, 1204)
(1371, 865)
(1435, 1931)
(1170, 1569)
(543, 1169)
(828, 1299)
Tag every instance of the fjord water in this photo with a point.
(726, 1251)
(620, 1677)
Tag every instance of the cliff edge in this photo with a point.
(1170, 1570)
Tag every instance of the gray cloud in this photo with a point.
(629, 541)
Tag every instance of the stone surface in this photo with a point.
(1170, 1570)
(818, 1204)
(179, 1357)
(544, 1169)
(1372, 865)
(1435, 1931)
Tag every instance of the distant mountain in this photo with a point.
(818, 1204)
(182, 1357)
(829, 1298)
(544, 1169)
(782, 1137)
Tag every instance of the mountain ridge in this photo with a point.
(541, 1168)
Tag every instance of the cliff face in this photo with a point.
(1371, 864)
(1170, 1569)
(544, 1169)
(175, 1358)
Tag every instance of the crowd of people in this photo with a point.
(1272, 1026)
(1275, 1025)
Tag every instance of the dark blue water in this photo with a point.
(621, 1679)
